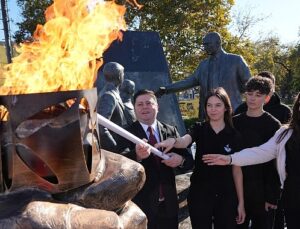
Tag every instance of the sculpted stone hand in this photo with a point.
(160, 92)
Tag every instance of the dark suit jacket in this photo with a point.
(147, 198)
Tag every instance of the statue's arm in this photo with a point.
(189, 82)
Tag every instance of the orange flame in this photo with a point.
(65, 50)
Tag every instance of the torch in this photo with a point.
(129, 136)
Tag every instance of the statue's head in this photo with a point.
(127, 87)
(212, 43)
(114, 73)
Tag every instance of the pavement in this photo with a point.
(182, 184)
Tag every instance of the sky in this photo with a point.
(282, 17)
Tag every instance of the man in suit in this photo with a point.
(158, 198)
(220, 69)
(110, 104)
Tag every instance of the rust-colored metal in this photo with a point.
(49, 140)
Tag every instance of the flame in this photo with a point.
(66, 52)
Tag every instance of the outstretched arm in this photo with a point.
(181, 142)
(217, 159)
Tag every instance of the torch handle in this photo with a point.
(129, 136)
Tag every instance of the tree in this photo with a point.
(32, 12)
(282, 60)
(181, 25)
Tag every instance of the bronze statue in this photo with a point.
(126, 91)
(220, 69)
(110, 104)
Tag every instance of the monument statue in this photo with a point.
(126, 91)
(220, 69)
(110, 104)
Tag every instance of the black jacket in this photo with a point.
(147, 198)
(279, 110)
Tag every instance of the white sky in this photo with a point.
(283, 17)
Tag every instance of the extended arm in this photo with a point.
(249, 156)
(181, 142)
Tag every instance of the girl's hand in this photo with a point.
(241, 214)
(167, 144)
(216, 159)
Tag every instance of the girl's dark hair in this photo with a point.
(223, 96)
(295, 120)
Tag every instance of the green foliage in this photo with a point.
(189, 122)
(282, 60)
(32, 12)
(181, 25)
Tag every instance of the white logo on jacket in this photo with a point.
(227, 148)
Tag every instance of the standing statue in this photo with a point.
(220, 69)
(110, 104)
(126, 91)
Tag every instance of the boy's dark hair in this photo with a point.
(261, 84)
(268, 75)
(144, 92)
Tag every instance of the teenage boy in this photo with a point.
(283, 113)
(261, 183)
(274, 105)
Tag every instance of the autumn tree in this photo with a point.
(32, 12)
(182, 25)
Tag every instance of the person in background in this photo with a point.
(158, 198)
(220, 69)
(274, 105)
(285, 147)
(283, 113)
(216, 195)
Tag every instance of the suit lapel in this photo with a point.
(139, 130)
(162, 131)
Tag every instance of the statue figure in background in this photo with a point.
(110, 104)
(127, 90)
(220, 69)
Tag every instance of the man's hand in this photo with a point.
(160, 92)
(216, 159)
(269, 206)
(174, 160)
(142, 151)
